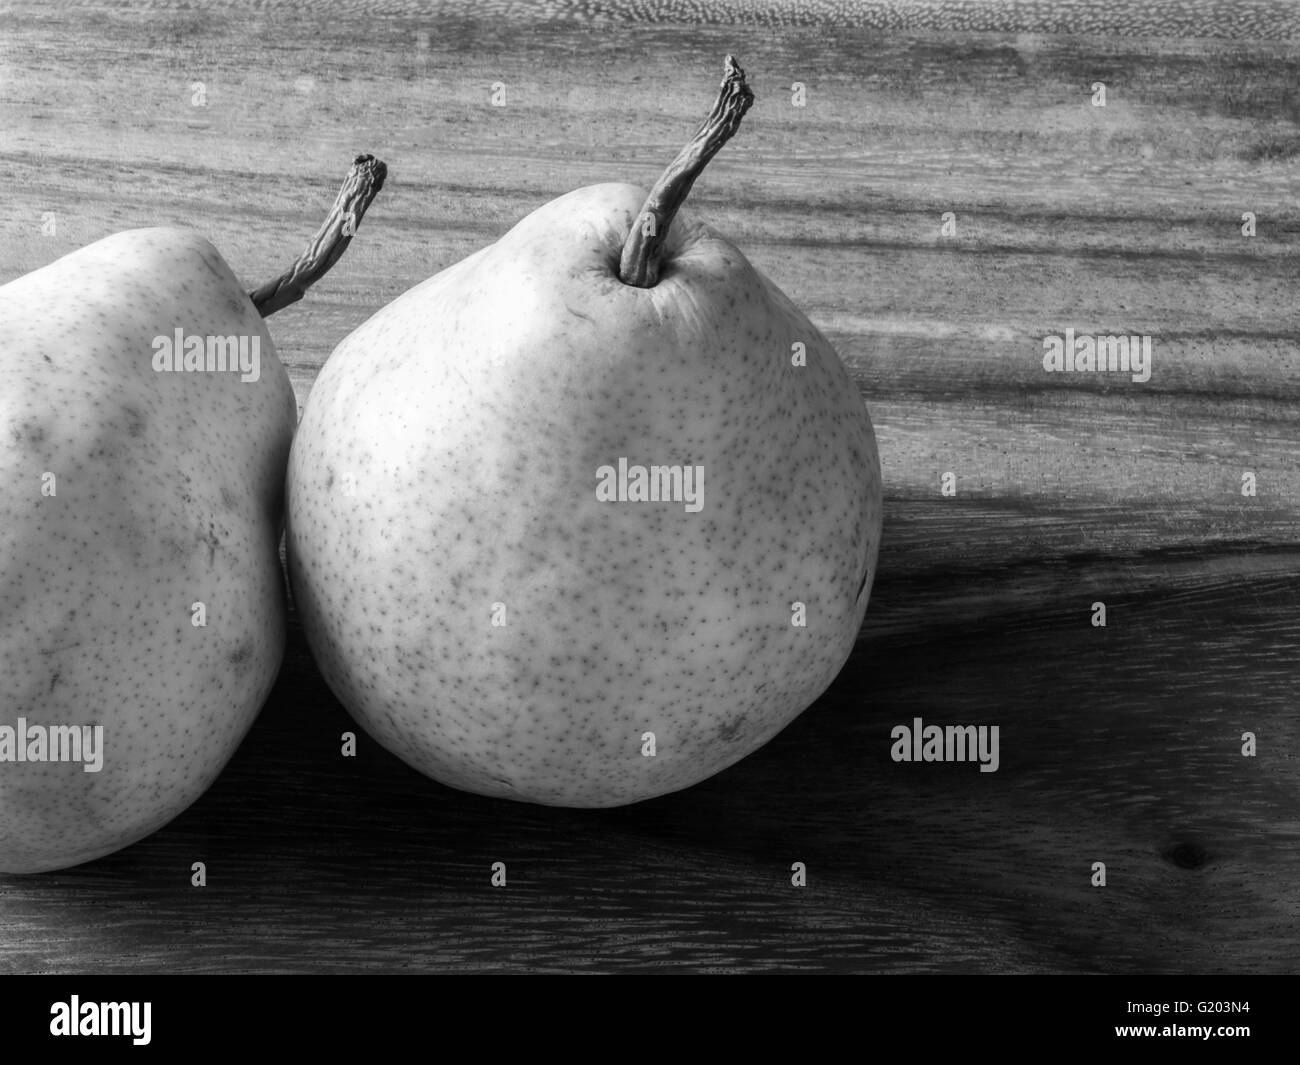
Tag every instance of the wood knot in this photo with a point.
(1186, 855)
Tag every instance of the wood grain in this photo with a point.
(1119, 744)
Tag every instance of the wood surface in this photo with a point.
(1119, 744)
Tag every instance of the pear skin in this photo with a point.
(475, 605)
(166, 493)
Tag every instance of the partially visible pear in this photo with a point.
(467, 595)
(141, 593)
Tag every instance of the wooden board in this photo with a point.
(1120, 744)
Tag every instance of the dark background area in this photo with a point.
(1119, 744)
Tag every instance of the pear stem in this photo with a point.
(363, 182)
(639, 265)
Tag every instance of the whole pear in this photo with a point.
(142, 601)
(469, 590)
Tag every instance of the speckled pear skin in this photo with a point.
(447, 461)
(169, 492)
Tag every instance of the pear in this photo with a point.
(142, 601)
(590, 515)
